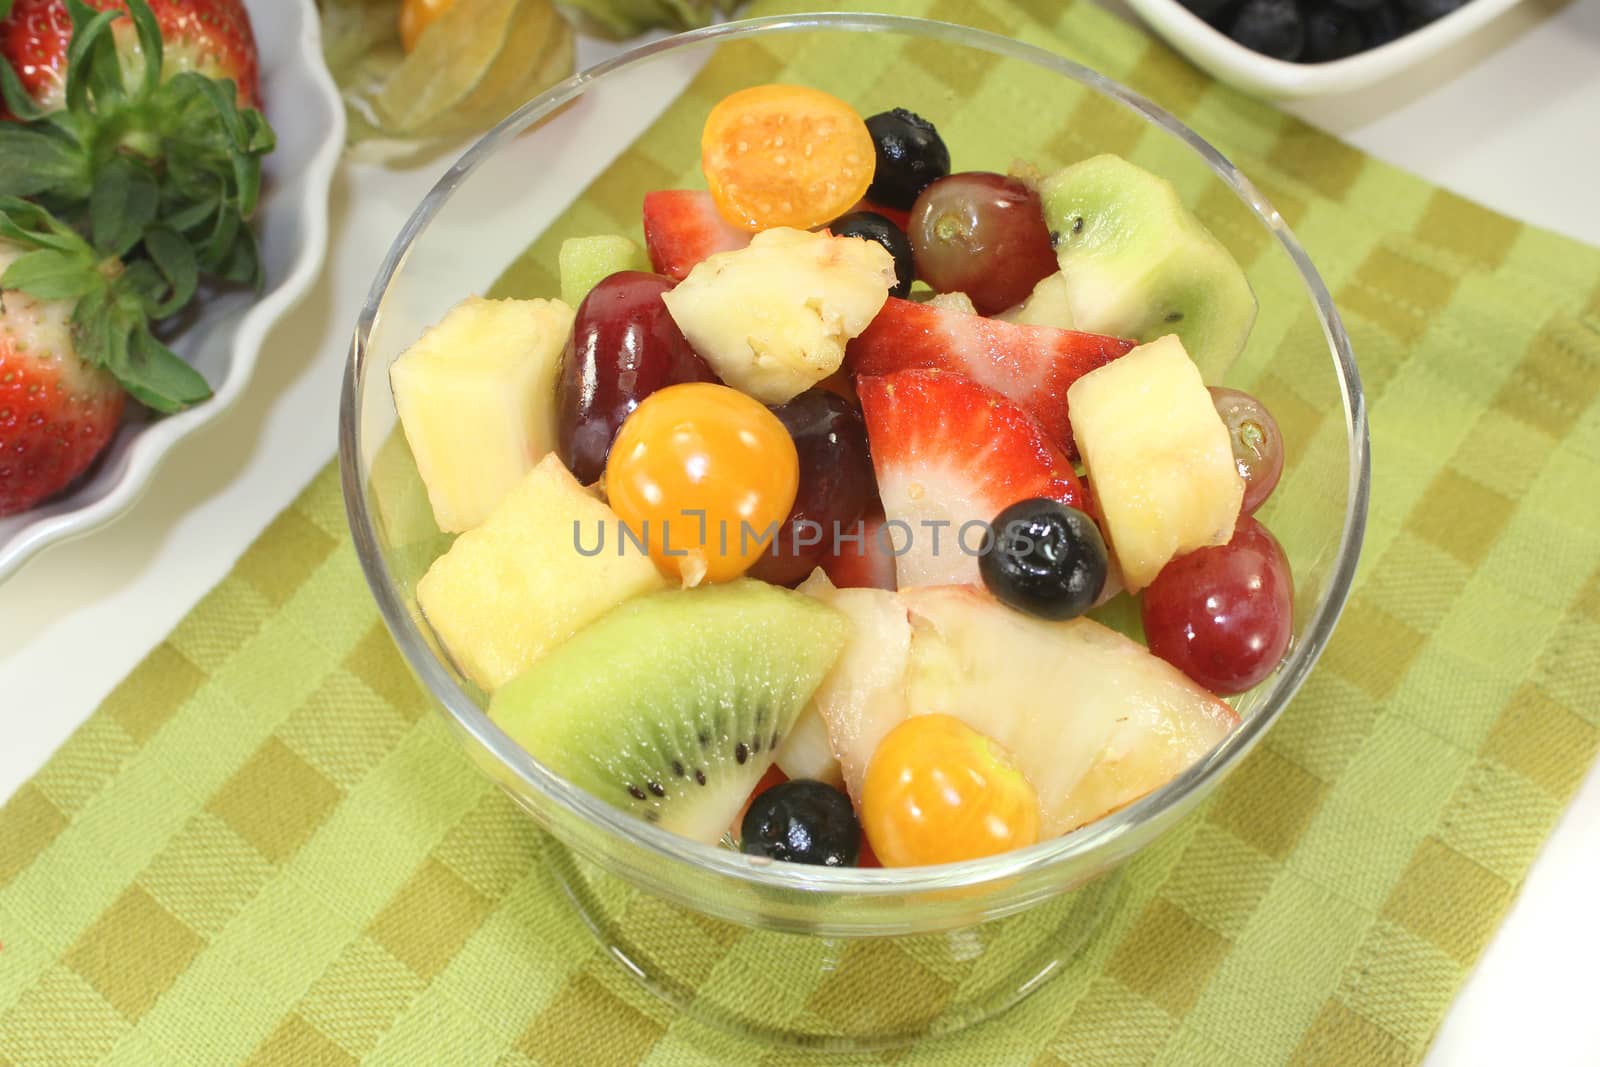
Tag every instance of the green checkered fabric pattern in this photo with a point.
(265, 849)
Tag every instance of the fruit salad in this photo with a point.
(805, 526)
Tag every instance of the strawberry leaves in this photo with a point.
(115, 302)
(196, 146)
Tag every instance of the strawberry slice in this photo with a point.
(682, 227)
(949, 452)
(1032, 365)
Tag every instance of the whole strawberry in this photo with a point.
(56, 412)
(212, 37)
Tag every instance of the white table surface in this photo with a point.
(1510, 117)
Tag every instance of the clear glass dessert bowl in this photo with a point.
(844, 925)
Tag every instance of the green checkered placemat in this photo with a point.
(265, 849)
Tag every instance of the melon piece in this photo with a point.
(1095, 721)
(476, 395)
(587, 261)
(516, 586)
(1158, 455)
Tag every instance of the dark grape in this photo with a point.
(1272, 27)
(802, 821)
(874, 227)
(1257, 443)
(836, 483)
(1223, 615)
(1046, 559)
(911, 156)
(984, 235)
(624, 346)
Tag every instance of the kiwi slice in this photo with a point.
(1138, 264)
(672, 706)
(586, 261)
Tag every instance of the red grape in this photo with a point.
(836, 483)
(624, 346)
(984, 235)
(1257, 443)
(866, 561)
(1223, 615)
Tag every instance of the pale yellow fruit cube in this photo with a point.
(1158, 457)
(476, 395)
(518, 585)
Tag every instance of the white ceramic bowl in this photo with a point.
(225, 338)
(1237, 65)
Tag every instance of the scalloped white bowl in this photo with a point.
(1215, 52)
(224, 339)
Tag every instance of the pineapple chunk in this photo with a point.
(476, 396)
(954, 301)
(863, 697)
(517, 586)
(1158, 457)
(1050, 304)
(772, 319)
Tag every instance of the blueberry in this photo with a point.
(1421, 12)
(1383, 25)
(911, 157)
(802, 821)
(874, 227)
(1210, 10)
(1046, 559)
(1271, 27)
(1333, 33)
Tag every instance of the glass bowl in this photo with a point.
(488, 213)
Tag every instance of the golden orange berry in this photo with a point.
(785, 155)
(938, 791)
(418, 15)
(703, 475)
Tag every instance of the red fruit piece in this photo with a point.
(1223, 615)
(900, 218)
(836, 484)
(56, 412)
(982, 234)
(682, 227)
(1031, 365)
(951, 455)
(623, 347)
(864, 559)
(210, 36)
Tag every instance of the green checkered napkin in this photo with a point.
(265, 849)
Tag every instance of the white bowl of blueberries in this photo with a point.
(1303, 48)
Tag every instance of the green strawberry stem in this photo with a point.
(114, 302)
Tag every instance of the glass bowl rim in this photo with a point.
(871, 882)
